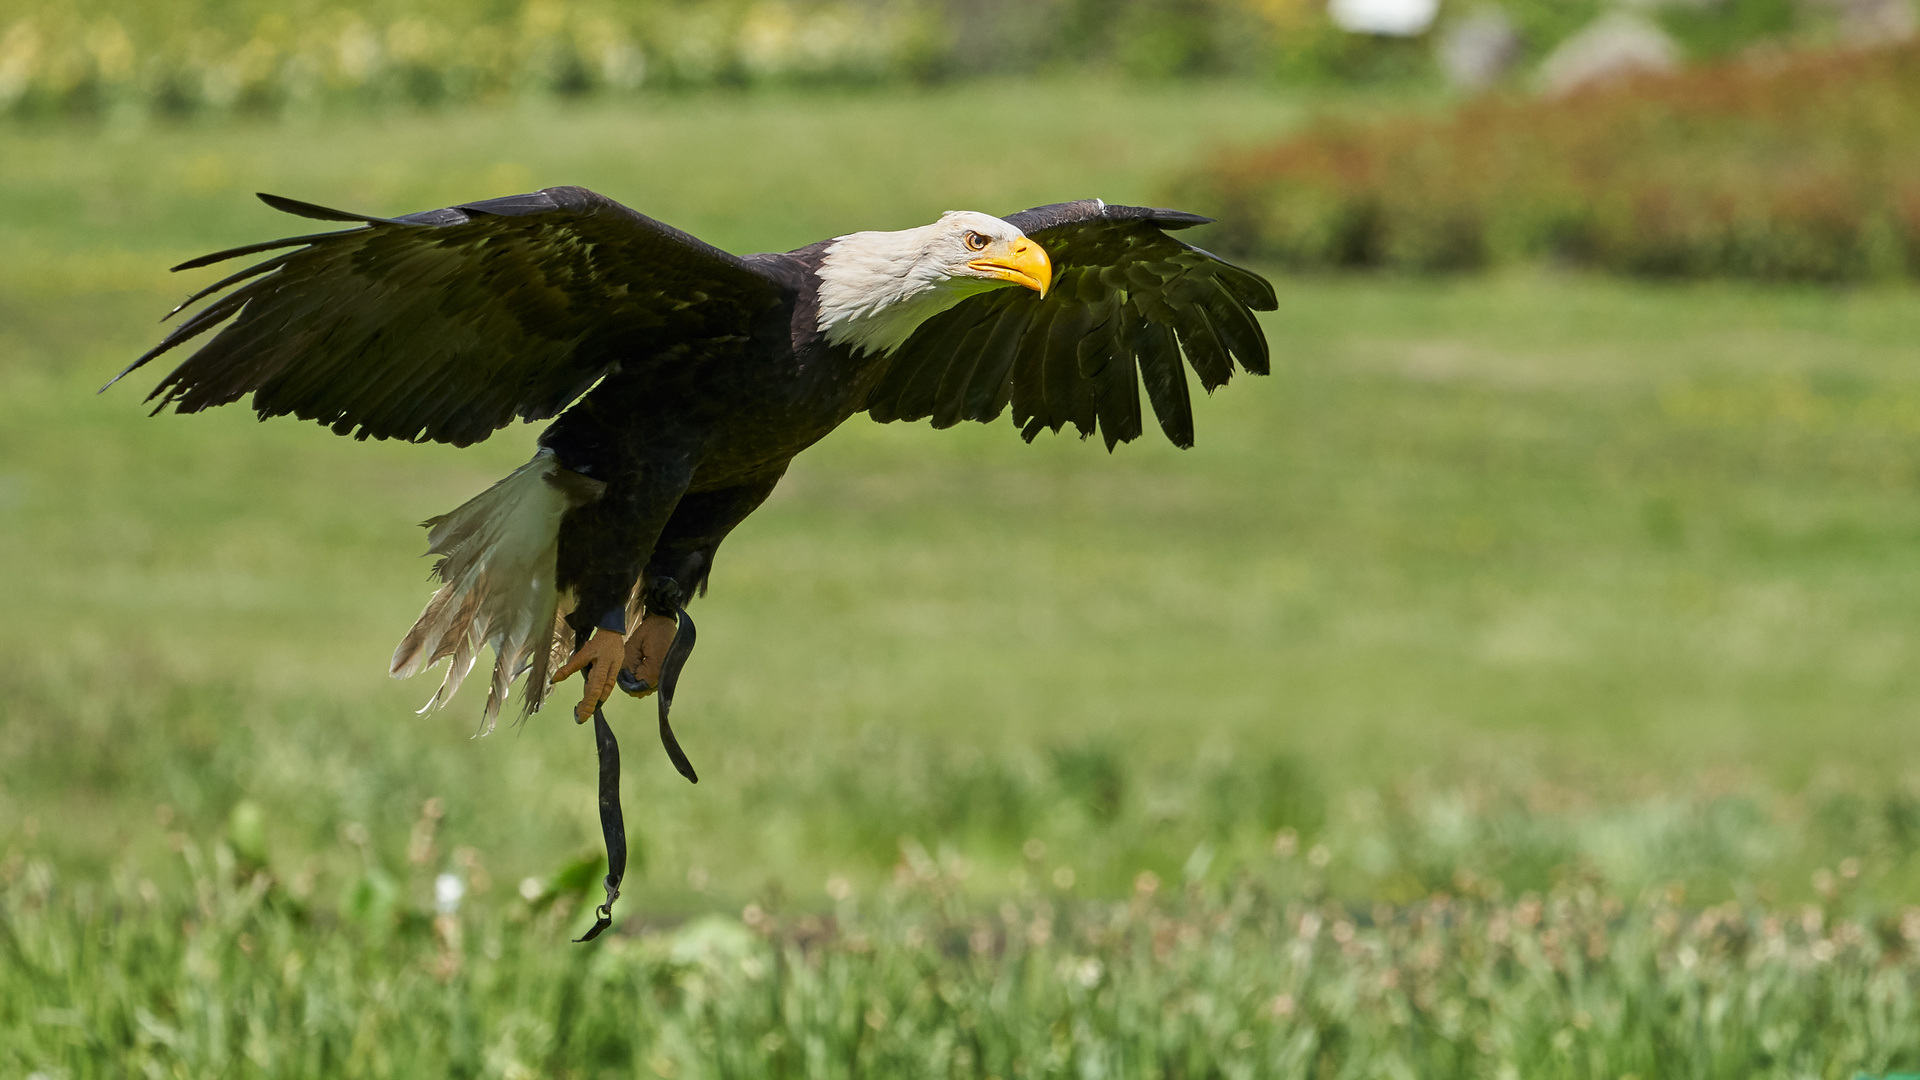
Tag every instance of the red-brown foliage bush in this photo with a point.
(1788, 167)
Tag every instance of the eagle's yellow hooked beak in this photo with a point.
(1022, 262)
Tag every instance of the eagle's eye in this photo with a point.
(976, 242)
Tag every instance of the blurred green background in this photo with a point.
(126, 58)
(1474, 535)
(1504, 582)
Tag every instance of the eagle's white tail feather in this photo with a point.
(499, 551)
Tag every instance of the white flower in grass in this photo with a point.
(447, 891)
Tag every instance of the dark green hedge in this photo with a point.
(1801, 167)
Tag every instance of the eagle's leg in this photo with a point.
(604, 544)
(677, 571)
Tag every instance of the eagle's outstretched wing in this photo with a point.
(1126, 298)
(445, 325)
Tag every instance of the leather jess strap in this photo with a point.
(613, 828)
(677, 653)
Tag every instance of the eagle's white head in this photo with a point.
(876, 288)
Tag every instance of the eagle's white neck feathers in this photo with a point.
(876, 288)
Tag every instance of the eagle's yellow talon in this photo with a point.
(600, 658)
(646, 652)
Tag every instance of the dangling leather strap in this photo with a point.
(613, 827)
(677, 654)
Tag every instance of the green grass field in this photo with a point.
(1522, 678)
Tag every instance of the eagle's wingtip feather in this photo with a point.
(311, 210)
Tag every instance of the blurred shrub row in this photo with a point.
(1804, 167)
(180, 56)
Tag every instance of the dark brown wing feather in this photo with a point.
(1127, 301)
(448, 324)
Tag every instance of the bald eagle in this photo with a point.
(681, 381)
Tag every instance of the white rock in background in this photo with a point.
(1612, 46)
(1873, 22)
(1390, 18)
(1475, 51)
